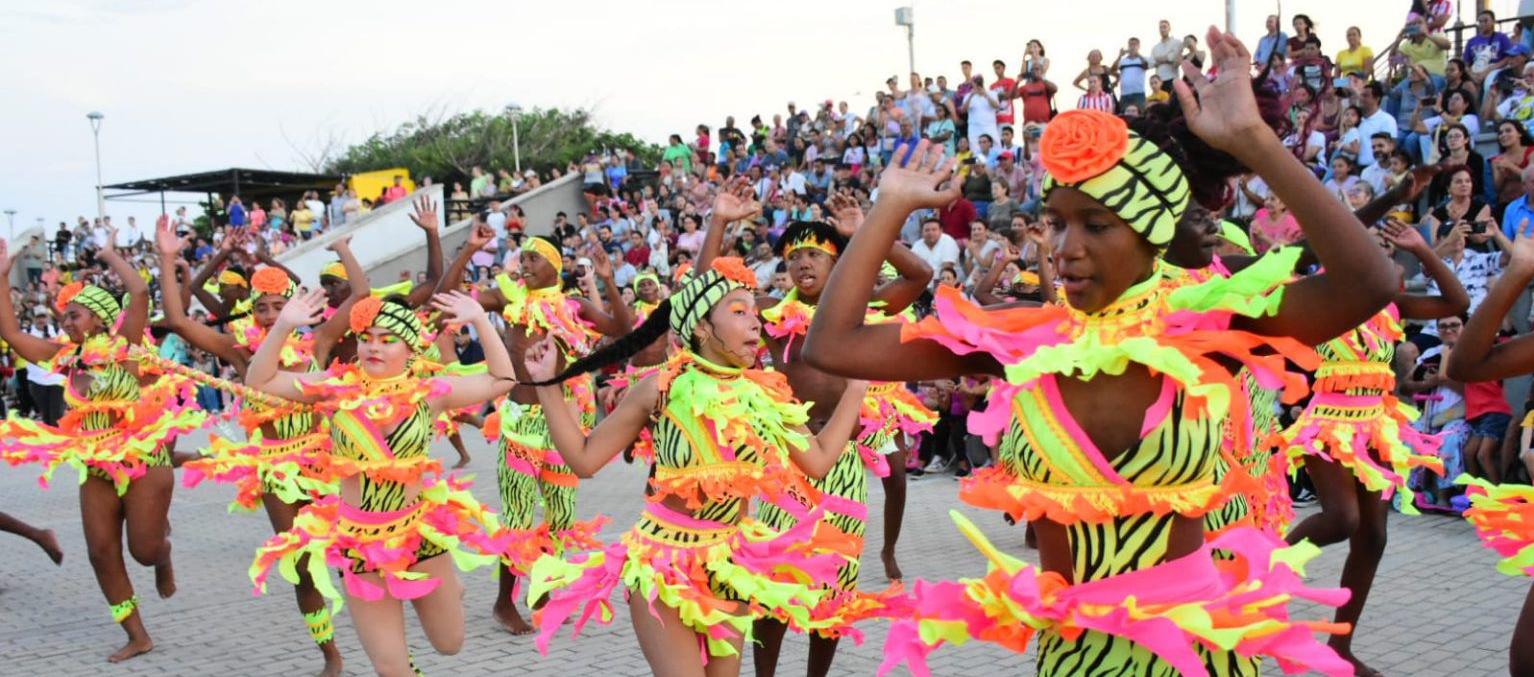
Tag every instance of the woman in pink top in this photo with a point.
(257, 215)
(1273, 225)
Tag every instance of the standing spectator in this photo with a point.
(617, 173)
(236, 212)
(395, 192)
(1357, 58)
(1167, 55)
(317, 208)
(936, 248)
(1037, 95)
(303, 220)
(61, 239)
(678, 154)
(129, 237)
(32, 258)
(44, 387)
(1489, 49)
(1096, 98)
(1304, 42)
(1274, 41)
(480, 183)
(1005, 89)
(257, 216)
(1130, 69)
(1375, 120)
(942, 130)
(1034, 60)
(981, 108)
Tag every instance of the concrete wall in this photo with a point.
(23, 236)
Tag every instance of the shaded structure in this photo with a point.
(249, 184)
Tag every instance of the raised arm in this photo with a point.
(985, 293)
(332, 330)
(201, 336)
(913, 274)
(30, 348)
(264, 256)
(459, 309)
(1451, 298)
(135, 317)
(587, 454)
(823, 450)
(212, 302)
(617, 319)
(1359, 280)
(736, 200)
(839, 341)
(425, 217)
(264, 372)
(1477, 357)
(480, 234)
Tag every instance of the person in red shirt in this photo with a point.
(955, 219)
(1005, 89)
(1487, 412)
(1036, 93)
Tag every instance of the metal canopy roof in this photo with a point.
(226, 182)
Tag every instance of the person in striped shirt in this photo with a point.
(1096, 97)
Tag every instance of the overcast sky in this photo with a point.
(194, 85)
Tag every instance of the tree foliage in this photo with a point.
(447, 147)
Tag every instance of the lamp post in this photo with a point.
(905, 16)
(515, 111)
(95, 118)
(10, 224)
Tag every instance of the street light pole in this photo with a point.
(515, 111)
(905, 16)
(10, 220)
(95, 118)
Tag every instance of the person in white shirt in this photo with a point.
(1375, 120)
(45, 386)
(1382, 144)
(129, 236)
(1166, 56)
(936, 247)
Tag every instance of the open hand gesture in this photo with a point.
(846, 213)
(458, 308)
(914, 178)
(1224, 114)
(304, 310)
(601, 263)
(736, 201)
(425, 216)
(481, 235)
(1405, 237)
(166, 241)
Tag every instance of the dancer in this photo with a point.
(1118, 502)
(115, 434)
(1503, 515)
(530, 470)
(44, 538)
(281, 465)
(810, 250)
(396, 512)
(1356, 440)
(695, 567)
(649, 359)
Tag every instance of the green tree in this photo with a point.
(447, 148)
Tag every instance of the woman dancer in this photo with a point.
(1355, 439)
(280, 467)
(697, 570)
(1503, 515)
(115, 434)
(395, 513)
(1118, 503)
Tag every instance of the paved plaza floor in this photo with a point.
(1438, 606)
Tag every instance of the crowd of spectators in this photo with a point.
(1361, 119)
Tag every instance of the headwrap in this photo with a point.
(272, 280)
(811, 235)
(388, 315)
(693, 301)
(334, 269)
(1096, 153)
(646, 276)
(99, 301)
(401, 288)
(548, 251)
(230, 277)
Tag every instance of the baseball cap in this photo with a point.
(1005, 155)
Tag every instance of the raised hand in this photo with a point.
(340, 244)
(541, 359)
(458, 308)
(914, 178)
(736, 201)
(5, 259)
(166, 241)
(481, 235)
(1405, 238)
(846, 213)
(425, 216)
(601, 263)
(1224, 114)
(304, 310)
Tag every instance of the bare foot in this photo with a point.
(332, 667)
(891, 568)
(50, 544)
(165, 578)
(511, 620)
(463, 461)
(133, 648)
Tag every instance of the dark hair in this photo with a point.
(1405, 157)
(1523, 132)
(653, 329)
(1310, 26)
(1206, 168)
(964, 62)
(798, 231)
(1443, 139)
(999, 62)
(1487, 12)
(1374, 87)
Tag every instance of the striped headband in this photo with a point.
(271, 280)
(1096, 153)
(691, 303)
(390, 316)
(543, 248)
(98, 301)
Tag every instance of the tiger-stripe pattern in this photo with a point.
(112, 381)
(847, 479)
(410, 439)
(522, 493)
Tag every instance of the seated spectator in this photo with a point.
(1273, 225)
(1507, 166)
(1455, 150)
(1422, 48)
(1343, 179)
(936, 247)
(1451, 108)
(1462, 209)
(1488, 49)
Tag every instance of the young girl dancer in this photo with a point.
(697, 570)
(115, 434)
(1118, 502)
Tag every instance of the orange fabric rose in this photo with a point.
(1081, 144)
(732, 268)
(364, 312)
(270, 280)
(67, 294)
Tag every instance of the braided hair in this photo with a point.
(653, 329)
